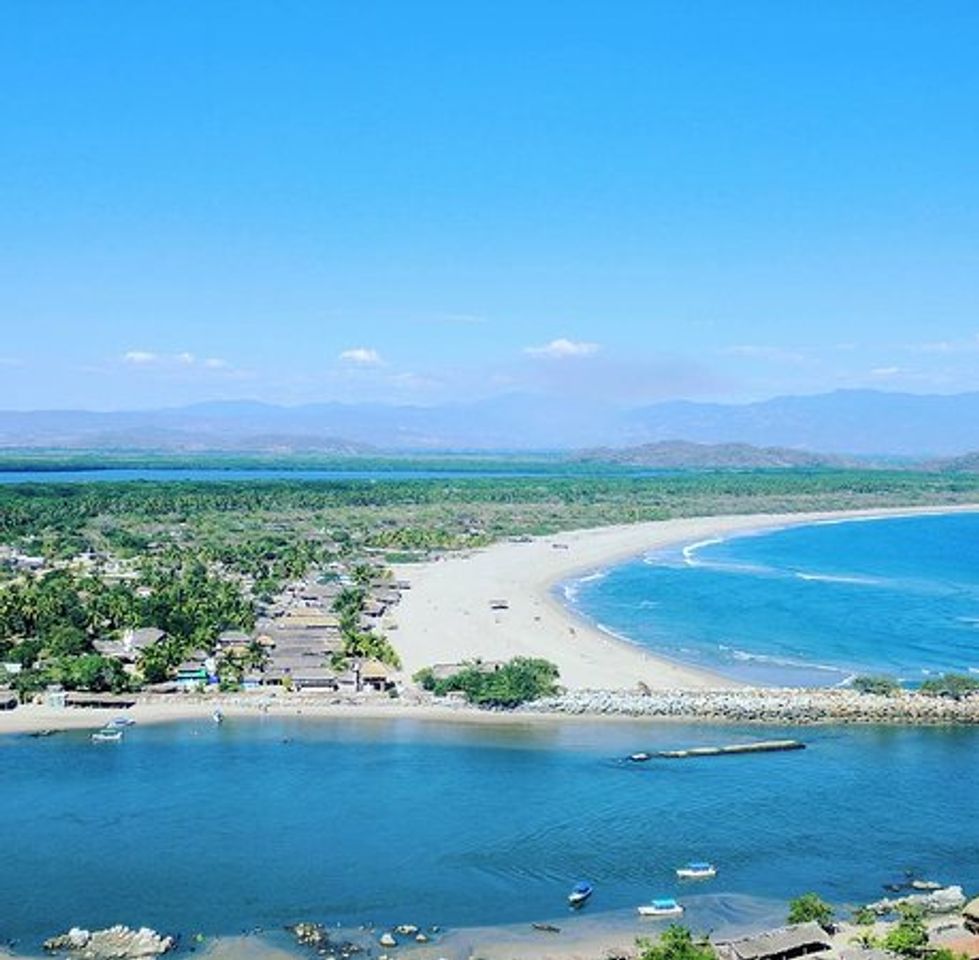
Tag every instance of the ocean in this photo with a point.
(195, 827)
(809, 605)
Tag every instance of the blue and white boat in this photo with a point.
(107, 735)
(697, 870)
(580, 892)
(661, 907)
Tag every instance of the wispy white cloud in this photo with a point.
(561, 348)
(886, 371)
(362, 356)
(139, 357)
(184, 359)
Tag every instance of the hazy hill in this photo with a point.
(683, 454)
(846, 421)
(968, 463)
(855, 422)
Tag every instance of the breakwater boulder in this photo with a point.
(113, 943)
(765, 705)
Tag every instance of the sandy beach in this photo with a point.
(446, 616)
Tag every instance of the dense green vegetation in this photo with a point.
(676, 943)
(357, 643)
(397, 514)
(521, 680)
(49, 623)
(810, 907)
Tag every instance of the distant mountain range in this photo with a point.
(849, 422)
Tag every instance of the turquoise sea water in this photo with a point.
(196, 827)
(805, 605)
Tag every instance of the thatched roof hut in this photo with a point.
(376, 675)
(783, 943)
(108, 701)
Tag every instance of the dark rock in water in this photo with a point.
(316, 936)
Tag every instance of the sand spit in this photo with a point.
(453, 610)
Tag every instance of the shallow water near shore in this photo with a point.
(262, 822)
(810, 605)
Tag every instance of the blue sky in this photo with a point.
(419, 201)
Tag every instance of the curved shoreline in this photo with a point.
(446, 617)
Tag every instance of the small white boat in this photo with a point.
(662, 907)
(120, 722)
(697, 871)
(580, 892)
(107, 735)
(639, 757)
(217, 716)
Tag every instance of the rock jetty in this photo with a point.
(765, 705)
(943, 900)
(113, 943)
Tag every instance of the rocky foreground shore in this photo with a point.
(113, 943)
(765, 705)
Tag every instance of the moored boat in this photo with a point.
(697, 870)
(580, 892)
(120, 722)
(661, 907)
(107, 735)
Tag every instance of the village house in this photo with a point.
(130, 645)
(783, 943)
(197, 669)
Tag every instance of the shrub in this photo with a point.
(676, 943)
(864, 917)
(909, 938)
(808, 907)
(953, 685)
(879, 685)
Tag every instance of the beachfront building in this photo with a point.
(193, 672)
(98, 701)
(374, 675)
(783, 943)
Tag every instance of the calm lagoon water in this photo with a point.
(193, 826)
(213, 475)
(807, 605)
